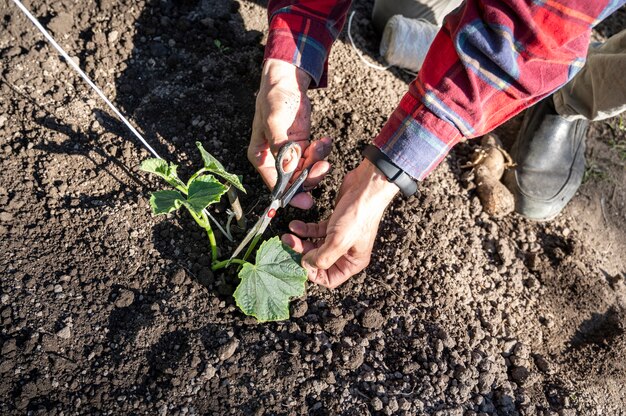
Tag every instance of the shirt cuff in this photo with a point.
(301, 41)
(415, 139)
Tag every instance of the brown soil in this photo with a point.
(106, 309)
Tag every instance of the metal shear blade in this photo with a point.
(280, 197)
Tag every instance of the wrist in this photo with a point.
(276, 71)
(376, 184)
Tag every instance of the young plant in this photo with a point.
(220, 46)
(266, 286)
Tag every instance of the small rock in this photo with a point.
(377, 404)
(58, 288)
(179, 277)
(299, 308)
(462, 374)
(392, 406)
(522, 350)
(124, 299)
(518, 361)
(508, 347)
(520, 375)
(352, 357)
(227, 350)
(372, 319)
(65, 333)
(209, 372)
(112, 36)
(61, 24)
(335, 325)
(485, 382)
(543, 365)
(8, 347)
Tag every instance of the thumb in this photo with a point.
(324, 257)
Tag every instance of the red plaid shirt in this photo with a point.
(491, 60)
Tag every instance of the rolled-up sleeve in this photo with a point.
(302, 33)
(491, 60)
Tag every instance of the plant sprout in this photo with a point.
(265, 287)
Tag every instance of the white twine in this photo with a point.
(405, 41)
(98, 91)
(365, 61)
(75, 66)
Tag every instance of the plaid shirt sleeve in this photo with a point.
(491, 60)
(302, 32)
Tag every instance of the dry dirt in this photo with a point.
(107, 310)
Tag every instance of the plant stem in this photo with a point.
(203, 222)
(195, 175)
(211, 235)
(224, 263)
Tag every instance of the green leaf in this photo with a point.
(267, 286)
(214, 166)
(164, 202)
(161, 168)
(204, 191)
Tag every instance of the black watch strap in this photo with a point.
(393, 173)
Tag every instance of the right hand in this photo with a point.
(283, 113)
(336, 249)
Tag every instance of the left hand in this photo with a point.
(283, 114)
(343, 244)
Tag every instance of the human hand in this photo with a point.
(282, 114)
(342, 245)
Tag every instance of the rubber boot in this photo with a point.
(550, 162)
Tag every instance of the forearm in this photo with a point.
(491, 60)
(302, 33)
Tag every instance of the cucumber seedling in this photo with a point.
(265, 286)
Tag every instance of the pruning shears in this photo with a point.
(279, 198)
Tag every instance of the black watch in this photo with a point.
(393, 173)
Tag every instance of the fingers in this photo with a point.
(297, 244)
(318, 150)
(308, 230)
(313, 158)
(303, 200)
(324, 257)
(316, 174)
(259, 154)
(304, 230)
(335, 276)
(327, 264)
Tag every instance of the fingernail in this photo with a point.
(325, 148)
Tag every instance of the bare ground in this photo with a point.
(107, 310)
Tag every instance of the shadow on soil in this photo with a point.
(83, 144)
(599, 330)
